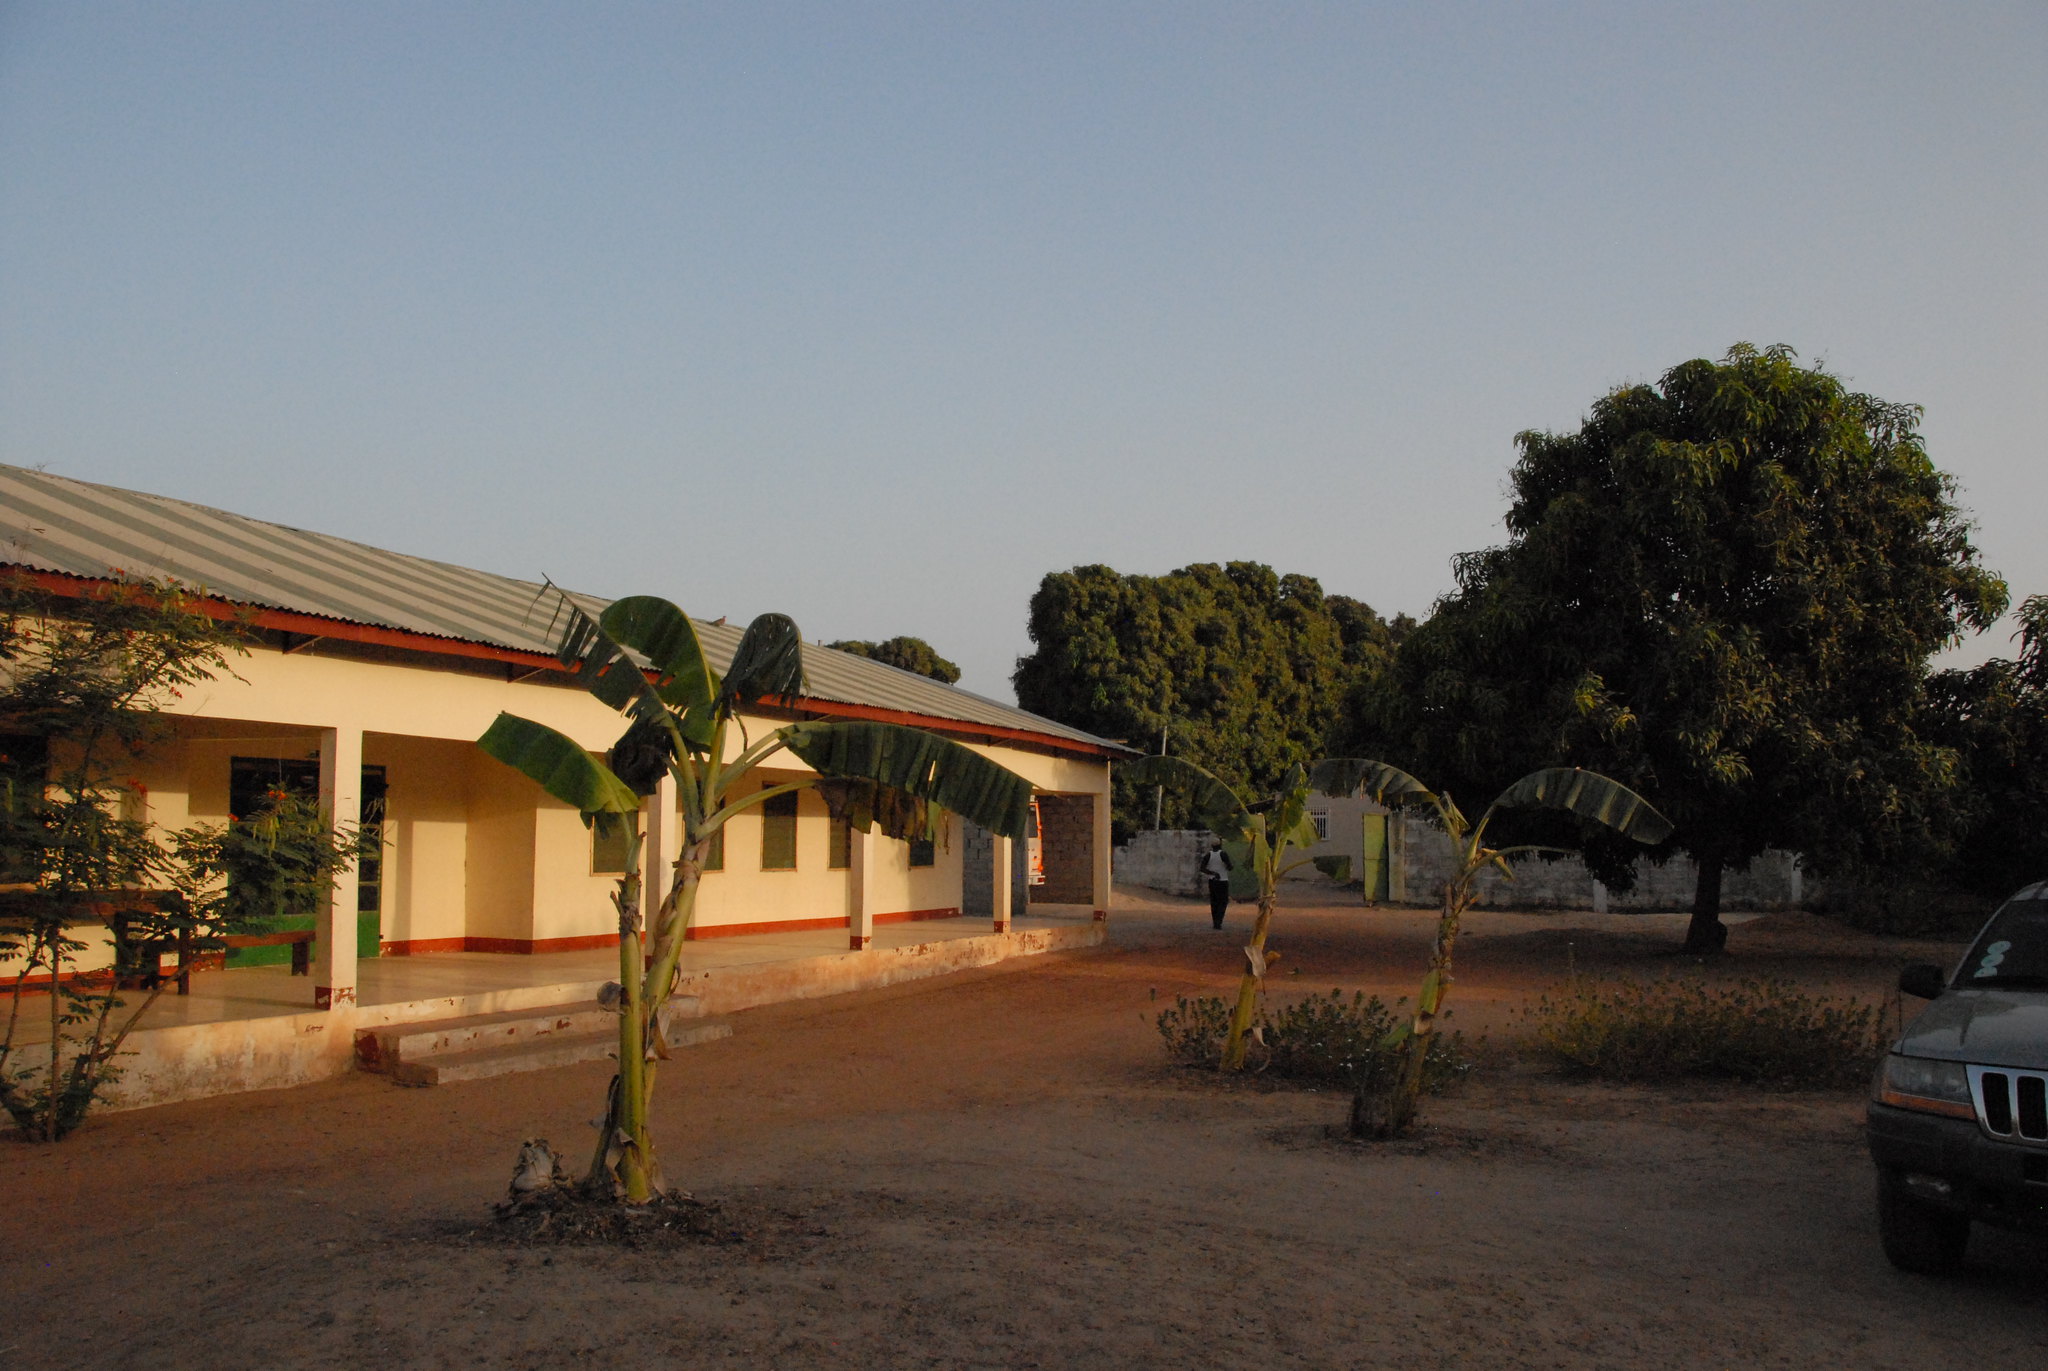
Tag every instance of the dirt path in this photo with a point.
(997, 1170)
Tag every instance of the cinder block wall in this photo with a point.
(1067, 829)
(1773, 881)
(1167, 859)
(977, 871)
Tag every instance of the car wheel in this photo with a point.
(1917, 1236)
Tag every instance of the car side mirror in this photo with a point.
(1923, 981)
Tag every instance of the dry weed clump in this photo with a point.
(1761, 1032)
(1319, 1040)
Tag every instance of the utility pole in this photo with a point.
(1159, 791)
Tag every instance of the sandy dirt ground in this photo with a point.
(998, 1169)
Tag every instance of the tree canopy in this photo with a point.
(1723, 589)
(1996, 717)
(907, 654)
(1243, 669)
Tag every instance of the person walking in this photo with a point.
(1216, 866)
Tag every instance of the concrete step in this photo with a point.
(536, 1054)
(385, 1049)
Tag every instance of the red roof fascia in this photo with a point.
(319, 626)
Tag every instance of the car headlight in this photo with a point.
(1930, 1086)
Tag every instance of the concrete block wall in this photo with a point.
(977, 871)
(1167, 859)
(1773, 881)
(1067, 829)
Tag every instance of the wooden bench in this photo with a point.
(139, 961)
(300, 940)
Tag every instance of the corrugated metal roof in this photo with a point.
(54, 523)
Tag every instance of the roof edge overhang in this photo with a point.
(68, 586)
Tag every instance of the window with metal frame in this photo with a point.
(778, 833)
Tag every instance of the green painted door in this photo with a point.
(1374, 867)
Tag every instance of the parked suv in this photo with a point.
(1958, 1116)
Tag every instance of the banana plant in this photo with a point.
(641, 656)
(1587, 794)
(1258, 838)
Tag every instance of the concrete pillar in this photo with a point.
(334, 935)
(860, 906)
(664, 841)
(1000, 858)
(1101, 883)
(1397, 856)
(1020, 878)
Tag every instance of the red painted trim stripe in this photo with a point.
(916, 916)
(317, 626)
(417, 947)
(699, 932)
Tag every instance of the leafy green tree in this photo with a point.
(84, 686)
(1996, 717)
(906, 654)
(1589, 798)
(684, 722)
(1724, 589)
(1241, 669)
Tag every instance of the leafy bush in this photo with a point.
(1320, 1040)
(1763, 1032)
(1902, 904)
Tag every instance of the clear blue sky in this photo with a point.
(875, 313)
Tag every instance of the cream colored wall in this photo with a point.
(569, 900)
(498, 850)
(477, 850)
(308, 689)
(743, 893)
(426, 835)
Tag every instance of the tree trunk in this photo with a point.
(1248, 988)
(1391, 1117)
(627, 1128)
(1707, 936)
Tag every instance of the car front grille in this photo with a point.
(2011, 1105)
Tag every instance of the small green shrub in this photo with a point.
(1194, 1029)
(1320, 1040)
(1763, 1032)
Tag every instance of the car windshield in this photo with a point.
(2014, 945)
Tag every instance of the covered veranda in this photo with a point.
(253, 1028)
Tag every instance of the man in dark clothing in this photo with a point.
(1216, 866)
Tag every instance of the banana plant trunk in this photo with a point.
(624, 1149)
(1391, 1116)
(1235, 1045)
(625, 1161)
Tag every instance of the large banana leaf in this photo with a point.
(642, 755)
(768, 661)
(664, 635)
(1382, 784)
(1216, 806)
(602, 667)
(921, 764)
(1589, 795)
(559, 765)
(866, 805)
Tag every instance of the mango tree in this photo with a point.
(1591, 796)
(642, 657)
(1258, 838)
